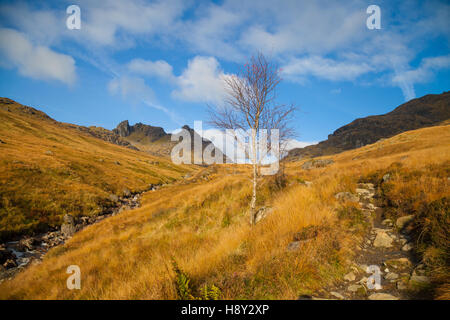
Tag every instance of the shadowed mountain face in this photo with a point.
(422, 112)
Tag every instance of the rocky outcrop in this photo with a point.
(316, 163)
(123, 129)
(68, 228)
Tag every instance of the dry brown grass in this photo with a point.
(204, 227)
(48, 169)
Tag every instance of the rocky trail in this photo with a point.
(385, 267)
(17, 255)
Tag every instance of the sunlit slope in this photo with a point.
(49, 168)
(203, 226)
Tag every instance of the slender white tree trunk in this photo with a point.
(255, 171)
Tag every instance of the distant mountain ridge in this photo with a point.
(426, 111)
(154, 139)
(143, 137)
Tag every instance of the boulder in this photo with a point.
(346, 196)
(382, 240)
(316, 163)
(68, 228)
(403, 221)
(350, 276)
(262, 213)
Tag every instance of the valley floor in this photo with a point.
(192, 239)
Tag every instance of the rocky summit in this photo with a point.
(418, 113)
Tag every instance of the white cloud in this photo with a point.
(158, 68)
(35, 61)
(300, 69)
(305, 34)
(201, 81)
(293, 143)
(108, 21)
(422, 74)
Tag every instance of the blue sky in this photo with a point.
(162, 62)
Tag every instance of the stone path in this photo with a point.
(385, 253)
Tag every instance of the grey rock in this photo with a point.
(350, 276)
(382, 240)
(317, 163)
(68, 230)
(262, 213)
(346, 196)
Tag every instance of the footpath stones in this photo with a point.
(346, 196)
(350, 276)
(382, 240)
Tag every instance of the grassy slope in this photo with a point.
(204, 227)
(48, 169)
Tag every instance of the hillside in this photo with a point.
(154, 139)
(202, 227)
(422, 112)
(48, 169)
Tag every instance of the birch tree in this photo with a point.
(250, 105)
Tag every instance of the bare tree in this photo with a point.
(250, 103)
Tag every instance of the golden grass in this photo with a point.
(48, 169)
(204, 227)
